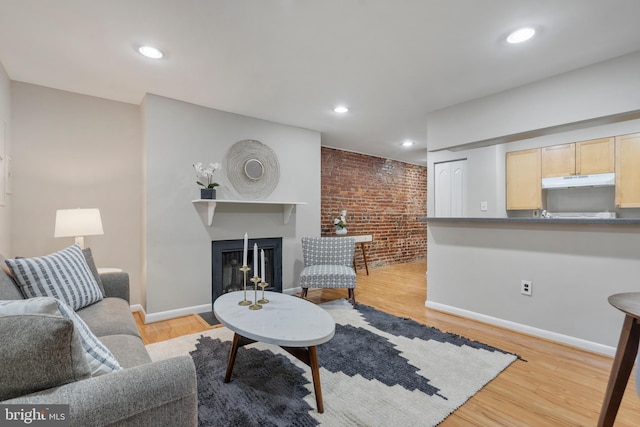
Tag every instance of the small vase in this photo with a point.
(341, 231)
(207, 193)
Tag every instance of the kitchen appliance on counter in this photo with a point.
(579, 215)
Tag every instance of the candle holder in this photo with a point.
(244, 269)
(263, 300)
(256, 306)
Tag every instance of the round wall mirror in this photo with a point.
(254, 169)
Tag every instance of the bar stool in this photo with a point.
(628, 303)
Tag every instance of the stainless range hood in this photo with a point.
(595, 180)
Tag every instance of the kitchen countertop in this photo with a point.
(522, 220)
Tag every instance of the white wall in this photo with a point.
(5, 125)
(73, 151)
(574, 268)
(78, 151)
(178, 240)
(603, 89)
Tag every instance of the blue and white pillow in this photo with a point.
(100, 359)
(64, 275)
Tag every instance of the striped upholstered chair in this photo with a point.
(328, 264)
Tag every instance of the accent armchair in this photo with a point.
(328, 264)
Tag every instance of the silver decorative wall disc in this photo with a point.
(252, 168)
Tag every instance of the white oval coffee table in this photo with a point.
(292, 323)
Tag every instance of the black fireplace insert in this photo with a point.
(226, 261)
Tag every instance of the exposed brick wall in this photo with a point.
(383, 198)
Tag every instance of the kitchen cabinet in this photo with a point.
(595, 156)
(580, 158)
(524, 183)
(627, 171)
(558, 160)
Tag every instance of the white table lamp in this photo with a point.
(78, 223)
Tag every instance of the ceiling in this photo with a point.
(291, 61)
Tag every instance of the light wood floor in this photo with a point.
(555, 385)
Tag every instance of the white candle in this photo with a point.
(244, 254)
(262, 264)
(255, 260)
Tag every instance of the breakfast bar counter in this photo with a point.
(476, 267)
(523, 220)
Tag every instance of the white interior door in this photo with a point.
(451, 188)
(443, 189)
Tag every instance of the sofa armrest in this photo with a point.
(116, 285)
(162, 393)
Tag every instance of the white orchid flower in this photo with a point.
(207, 173)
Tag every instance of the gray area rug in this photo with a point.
(378, 370)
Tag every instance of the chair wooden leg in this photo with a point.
(304, 292)
(364, 257)
(352, 297)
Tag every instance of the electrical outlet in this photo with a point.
(526, 287)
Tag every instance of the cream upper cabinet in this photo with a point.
(628, 171)
(524, 185)
(558, 160)
(595, 156)
(580, 158)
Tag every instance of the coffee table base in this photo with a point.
(307, 355)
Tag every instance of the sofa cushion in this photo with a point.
(64, 275)
(111, 316)
(40, 348)
(100, 359)
(128, 349)
(44, 353)
(88, 256)
(8, 288)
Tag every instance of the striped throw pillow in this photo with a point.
(64, 275)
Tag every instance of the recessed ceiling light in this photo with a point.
(408, 143)
(521, 35)
(150, 52)
(341, 109)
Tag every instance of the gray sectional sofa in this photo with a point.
(143, 393)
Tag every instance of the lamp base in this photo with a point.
(80, 241)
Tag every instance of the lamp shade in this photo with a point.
(78, 222)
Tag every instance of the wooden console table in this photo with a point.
(362, 239)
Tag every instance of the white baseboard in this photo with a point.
(529, 330)
(138, 307)
(507, 324)
(172, 314)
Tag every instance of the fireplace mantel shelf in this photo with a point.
(287, 207)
